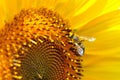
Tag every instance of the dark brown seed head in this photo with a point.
(36, 46)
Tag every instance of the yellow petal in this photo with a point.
(92, 12)
(111, 6)
(101, 67)
(2, 13)
(100, 23)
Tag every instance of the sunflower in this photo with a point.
(45, 39)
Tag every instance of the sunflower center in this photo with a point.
(39, 47)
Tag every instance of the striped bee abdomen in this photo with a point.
(36, 46)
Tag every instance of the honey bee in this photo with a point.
(78, 43)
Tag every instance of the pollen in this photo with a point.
(38, 48)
